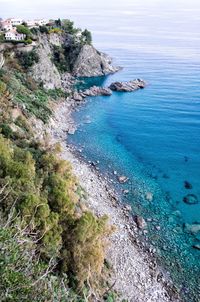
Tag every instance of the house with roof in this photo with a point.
(16, 21)
(6, 25)
(14, 35)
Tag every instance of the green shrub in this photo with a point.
(23, 30)
(61, 58)
(6, 130)
(87, 36)
(43, 191)
(44, 29)
(24, 276)
(27, 59)
(28, 41)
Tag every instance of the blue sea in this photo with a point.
(152, 135)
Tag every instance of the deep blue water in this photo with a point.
(152, 135)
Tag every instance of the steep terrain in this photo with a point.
(44, 218)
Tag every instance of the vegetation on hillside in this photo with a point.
(52, 246)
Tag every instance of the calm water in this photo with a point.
(152, 135)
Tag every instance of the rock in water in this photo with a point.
(94, 91)
(127, 86)
(192, 228)
(196, 246)
(122, 179)
(77, 97)
(187, 185)
(190, 199)
(149, 196)
(141, 223)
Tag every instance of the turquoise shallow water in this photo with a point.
(152, 135)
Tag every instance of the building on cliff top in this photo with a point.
(14, 35)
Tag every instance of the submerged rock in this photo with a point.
(190, 199)
(187, 185)
(149, 196)
(192, 228)
(122, 179)
(125, 192)
(196, 246)
(127, 86)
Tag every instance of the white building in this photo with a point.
(36, 22)
(16, 21)
(5, 25)
(41, 22)
(30, 23)
(14, 35)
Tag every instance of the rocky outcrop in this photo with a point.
(104, 91)
(45, 71)
(91, 63)
(128, 86)
(94, 91)
(67, 81)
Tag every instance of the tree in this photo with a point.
(27, 59)
(87, 35)
(21, 29)
(43, 29)
(58, 22)
(68, 26)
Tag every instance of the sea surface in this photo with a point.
(152, 135)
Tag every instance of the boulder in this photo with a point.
(192, 228)
(187, 185)
(149, 196)
(190, 199)
(196, 246)
(122, 179)
(77, 97)
(127, 86)
(141, 223)
(71, 130)
(125, 192)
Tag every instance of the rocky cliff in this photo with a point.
(91, 62)
(45, 70)
(81, 60)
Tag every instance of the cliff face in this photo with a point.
(61, 56)
(91, 62)
(45, 70)
(83, 60)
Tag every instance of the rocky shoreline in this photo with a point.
(130, 86)
(136, 274)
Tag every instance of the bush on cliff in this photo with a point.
(23, 275)
(23, 29)
(27, 59)
(87, 36)
(42, 190)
